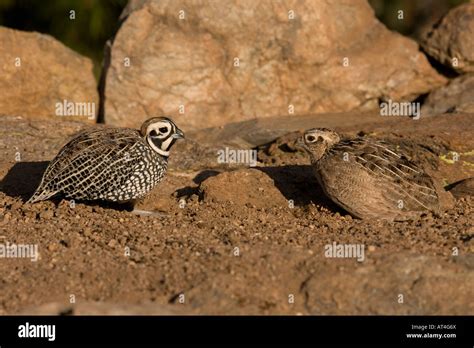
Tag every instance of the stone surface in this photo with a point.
(451, 37)
(38, 71)
(256, 132)
(421, 281)
(457, 96)
(215, 189)
(192, 249)
(281, 62)
(100, 308)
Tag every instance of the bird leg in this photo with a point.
(141, 212)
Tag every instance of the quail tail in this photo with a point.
(40, 195)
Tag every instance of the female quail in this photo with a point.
(369, 178)
(110, 164)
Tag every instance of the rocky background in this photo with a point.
(234, 239)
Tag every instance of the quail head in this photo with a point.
(110, 164)
(369, 178)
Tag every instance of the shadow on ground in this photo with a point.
(297, 182)
(22, 179)
(188, 191)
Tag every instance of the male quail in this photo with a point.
(369, 178)
(110, 164)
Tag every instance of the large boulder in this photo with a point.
(210, 62)
(450, 40)
(42, 78)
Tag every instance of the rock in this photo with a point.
(212, 63)
(249, 186)
(112, 243)
(420, 279)
(256, 132)
(457, 96)
(101, 308)
(38, 72)
(451, 37)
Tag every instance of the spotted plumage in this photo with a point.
(110, 164)
(370, 178)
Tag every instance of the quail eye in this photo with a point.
(163, 129)
(310, 138)
(153, 133)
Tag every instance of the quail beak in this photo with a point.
(179, 134)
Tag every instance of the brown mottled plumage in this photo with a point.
(369, 178)
(111, 164)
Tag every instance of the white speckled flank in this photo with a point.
(110, 164)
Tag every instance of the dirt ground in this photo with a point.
(236, 240)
